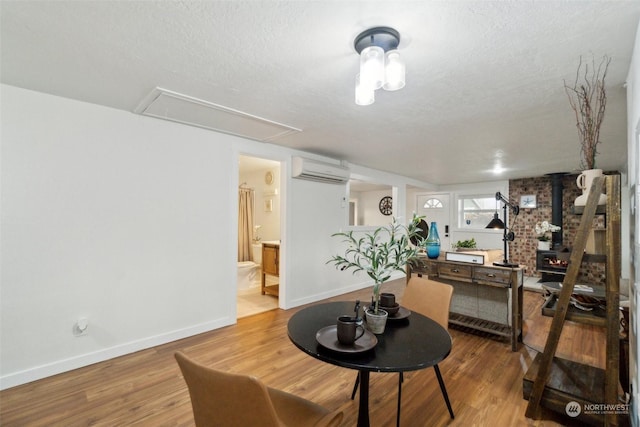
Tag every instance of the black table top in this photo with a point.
(416, 342)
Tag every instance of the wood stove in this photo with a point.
(552, 264)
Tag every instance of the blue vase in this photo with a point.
(432, 244)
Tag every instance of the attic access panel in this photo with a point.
(176, 107)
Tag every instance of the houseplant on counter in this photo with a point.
(463, 245)
(588, 100)
(379, 254)
(542, 230)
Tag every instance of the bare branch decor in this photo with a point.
(588, 100)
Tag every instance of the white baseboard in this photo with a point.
(340, 291)
(69, 364)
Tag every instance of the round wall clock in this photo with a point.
(386, 205)
(268, 177)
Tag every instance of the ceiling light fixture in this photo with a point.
(380, 63)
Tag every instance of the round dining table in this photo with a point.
(410, 343)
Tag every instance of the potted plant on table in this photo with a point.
(588, 100)
(542, 230)
(379, 254)
(463, 245)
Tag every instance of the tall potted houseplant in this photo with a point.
(588, 100)
(379, 254)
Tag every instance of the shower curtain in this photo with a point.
(245, 224)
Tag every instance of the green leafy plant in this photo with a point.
(380, 252)
(468, 244)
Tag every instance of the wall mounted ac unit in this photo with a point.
(318, 171)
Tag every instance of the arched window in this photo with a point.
(433, 203)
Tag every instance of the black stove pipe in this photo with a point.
(556, 206)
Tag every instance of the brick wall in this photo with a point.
(523, 249)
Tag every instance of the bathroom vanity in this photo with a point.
(270, 267)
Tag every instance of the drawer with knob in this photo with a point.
(492, 276)
(455, 271)
(423, 266)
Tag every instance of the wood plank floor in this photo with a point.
(482, 375)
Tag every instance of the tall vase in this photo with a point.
(584, 181)
(432, 244)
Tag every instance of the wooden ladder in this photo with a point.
(612, 297)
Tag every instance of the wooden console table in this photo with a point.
(485, 297)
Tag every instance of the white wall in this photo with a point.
(369, 207)
(309, 277)
(131, 222)
(110, 216)
(632, 264)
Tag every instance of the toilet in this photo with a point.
(249, 271)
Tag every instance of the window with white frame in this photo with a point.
(475, 211)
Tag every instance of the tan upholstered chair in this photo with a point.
(226, 399)
(431, 299)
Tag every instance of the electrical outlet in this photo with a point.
(81, 327)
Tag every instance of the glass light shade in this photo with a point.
(372, 67)
(364, 95)
(394, 71)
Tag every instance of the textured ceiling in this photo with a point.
(484, 79)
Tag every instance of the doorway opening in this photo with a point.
(258, 230)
